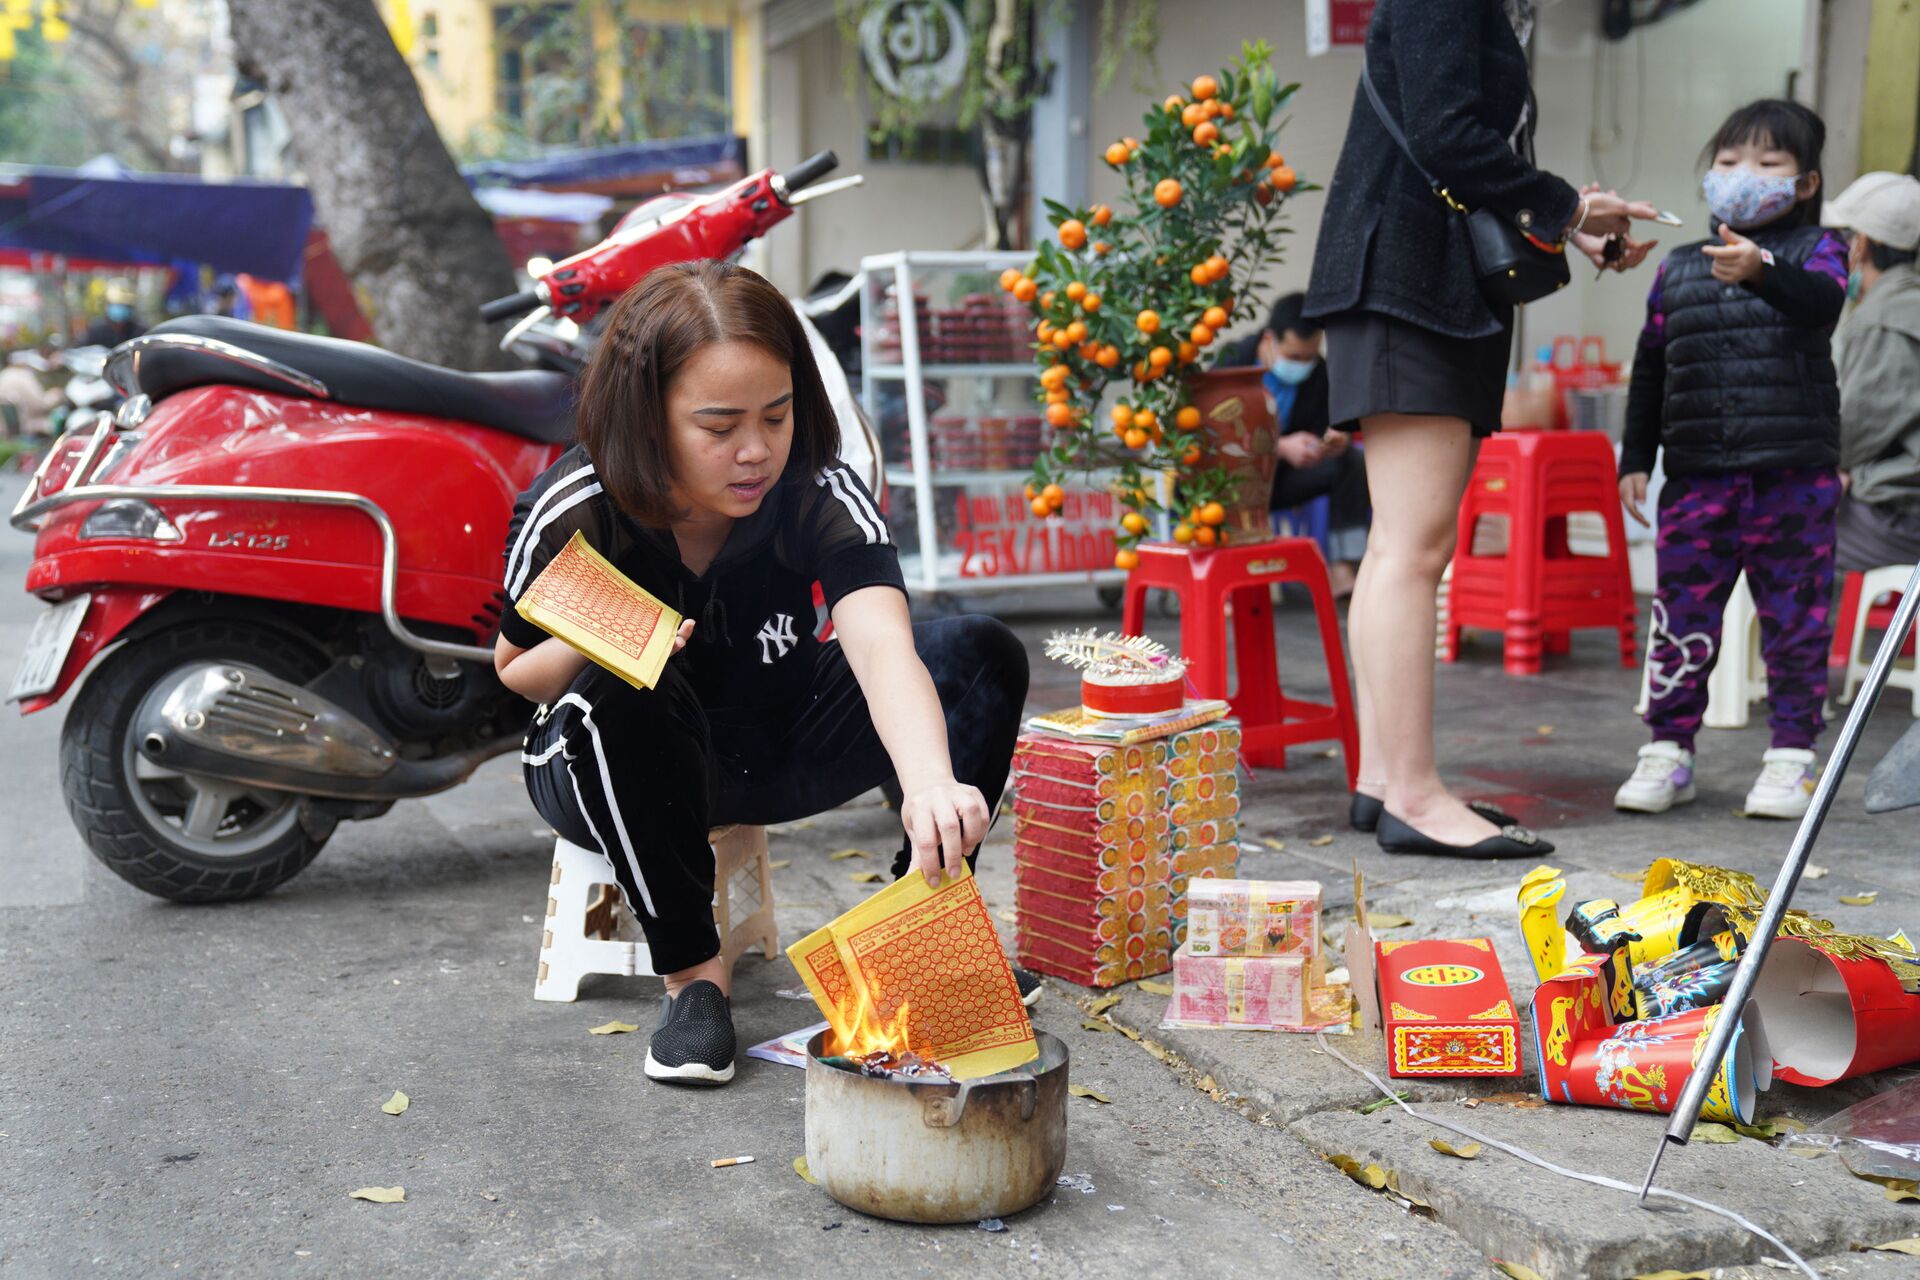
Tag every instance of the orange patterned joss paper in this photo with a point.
(934, 952)
(596, 609)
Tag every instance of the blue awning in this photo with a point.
(609, 164)
(256, 227)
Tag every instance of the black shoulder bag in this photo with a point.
(1513, 269)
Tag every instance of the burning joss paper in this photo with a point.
(914, 979)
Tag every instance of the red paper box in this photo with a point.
(1446, 1009)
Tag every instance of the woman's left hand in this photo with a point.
(944, 823)
(1629, 255)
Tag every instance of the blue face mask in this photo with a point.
(1292, 372)
(119, 311)
(1853, 286)
(1742, 198)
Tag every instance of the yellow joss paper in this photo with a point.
(925, 959)
(599, 611)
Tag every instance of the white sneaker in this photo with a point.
(1662, 779)
(1785, 785)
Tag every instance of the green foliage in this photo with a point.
(42, 105)
(1179, 258)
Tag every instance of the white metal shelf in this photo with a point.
(899, 373)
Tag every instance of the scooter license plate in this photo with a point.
(46, 651)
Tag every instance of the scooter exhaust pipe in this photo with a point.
(239, 723)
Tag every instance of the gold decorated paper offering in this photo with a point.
(919, 970)
(599, 611)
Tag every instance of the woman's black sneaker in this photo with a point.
(1363, 812)
(1029, 984)
(694, 1042)
(1396, 836)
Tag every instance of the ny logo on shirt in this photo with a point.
(776, 636)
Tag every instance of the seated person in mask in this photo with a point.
(1315, 461)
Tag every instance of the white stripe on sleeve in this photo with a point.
(836, 481)
(524, 544)
(574, 499)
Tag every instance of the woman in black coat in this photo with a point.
(1418, 358)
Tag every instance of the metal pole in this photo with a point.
(1694, 1095)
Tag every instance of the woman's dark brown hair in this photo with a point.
(651, 332)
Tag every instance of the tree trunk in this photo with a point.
(402, 222)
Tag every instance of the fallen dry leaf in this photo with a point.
(1860, 899)
(1545, 731)
(1095, 1024)
(1128, 1032)
(1674, 1275)
(1471, 1103)
(1707, 1131)
(1517, 1271)
(1530, 1104)
(1631, 877)
(488, 1195)
(1157, 988)
(841, 855)
(1321, 842)
(1103, 1004)
(396, 1104)
(1909, 1245)
(1512, 1099)
(1811, 872)
(614, 1028)
(800, 1167)
(774, 864)
(1278, 846)
(379, 1195)
(1081, 1091)
(1373, 1176)
(1387, 920)
(866, 877)
(1465, 1151)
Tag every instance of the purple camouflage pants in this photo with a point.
(1777, 526)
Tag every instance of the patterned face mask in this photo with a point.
(1742, 198)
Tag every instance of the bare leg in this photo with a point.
(1371, 776)
(714, 971)
(1417, 469)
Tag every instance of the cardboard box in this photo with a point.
(1446, 1008)
(1253, 917)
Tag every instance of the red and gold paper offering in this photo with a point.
(1446, 1008)
(919, 969)
(581, 598)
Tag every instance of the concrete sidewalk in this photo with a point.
(1551, 749)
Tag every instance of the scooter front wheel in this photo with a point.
(182, 836)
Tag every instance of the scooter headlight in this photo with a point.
(130, 518)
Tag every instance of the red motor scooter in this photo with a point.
(291, 546)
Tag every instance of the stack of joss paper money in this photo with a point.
(600, 612)
(918, 969)
(1204, 798)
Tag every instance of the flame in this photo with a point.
(871, 1035)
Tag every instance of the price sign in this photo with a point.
(998, 536)
(1337, 24)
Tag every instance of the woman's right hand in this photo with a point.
(1633, 495)
(1610, 214)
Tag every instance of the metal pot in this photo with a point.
(927, 1151)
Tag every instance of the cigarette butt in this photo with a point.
(731, 1160)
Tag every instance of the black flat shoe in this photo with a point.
(1513, 841)
(1363, 812)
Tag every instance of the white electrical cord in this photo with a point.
(1598, 1180)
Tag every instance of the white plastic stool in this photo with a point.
(1739, 674)
(581, 932)
(1874, 584)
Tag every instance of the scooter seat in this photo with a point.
(536, 404)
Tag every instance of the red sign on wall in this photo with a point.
(1337, 24)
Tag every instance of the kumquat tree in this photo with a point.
(1137, 296)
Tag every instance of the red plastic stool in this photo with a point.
(1879, 618)
(1539, 591)
(1206, 582)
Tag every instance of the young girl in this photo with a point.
(706, 472)
(1735, 382)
